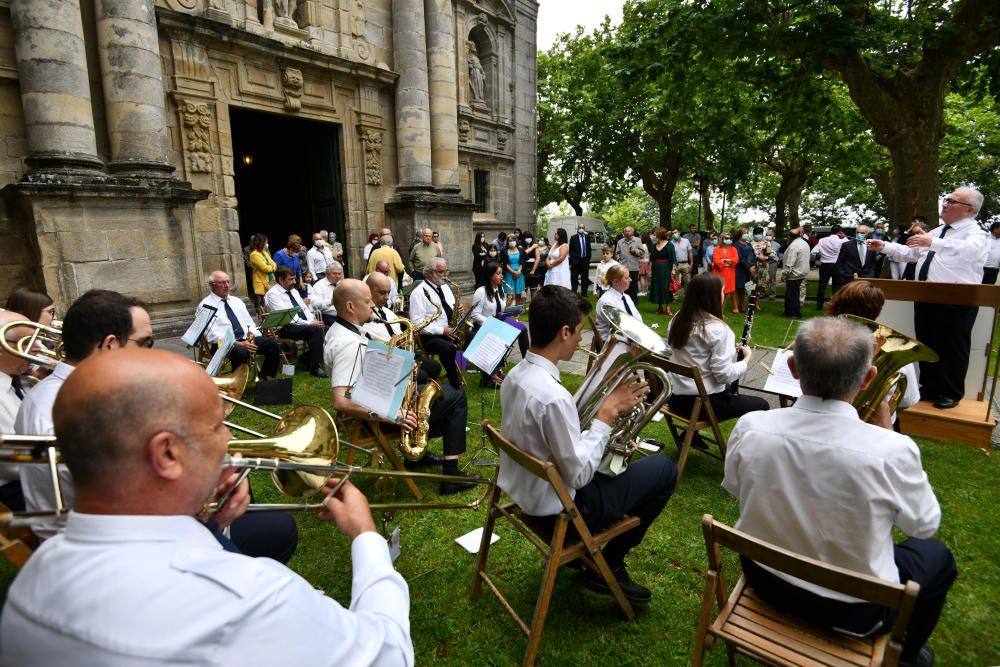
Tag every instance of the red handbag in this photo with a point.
(675, 284)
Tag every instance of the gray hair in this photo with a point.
(386, 239)
(832, 355)
(334, 266)
(211, 280)
(975, 198)
(434, 265)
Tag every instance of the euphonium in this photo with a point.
(893, 351)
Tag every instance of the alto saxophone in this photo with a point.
(461, 322)
(413, 446)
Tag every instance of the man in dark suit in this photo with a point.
(855, 258)
(579, 260)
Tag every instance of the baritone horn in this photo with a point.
(42, 347)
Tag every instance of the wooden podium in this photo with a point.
(972, 421)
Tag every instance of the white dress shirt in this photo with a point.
(378, 330)
(796, 259)
(422, 301)
(712, 348)
(682, 247)
(343, 351)
(539, 416)
(816, 480)
(484, 306)
(10, 403)
(393, 291)
(220, 323)
(322, 297)
(276, 298)
(318, 259)
(616, 300)
(958, 257)
(600, 271)
(993, 256)
(828, 248)
(136, 591)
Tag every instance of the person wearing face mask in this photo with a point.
(480, 249)
(580, 252)
(724, 261)
(795, 268)
(685, 258)
(532, 258)
(263, 268)
(855, 260)
(319, 256)
(513, 269)
(764, 254)
(710, 246)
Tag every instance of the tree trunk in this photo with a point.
(574, 197)
(661, 188)
(887, 188)
(704, 190)
(793, 201)
(916, 180)
(779, 214)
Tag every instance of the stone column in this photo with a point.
(443, 103)
(413, 133)
(128, 46)
(55, 91)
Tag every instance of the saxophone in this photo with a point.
(413, 446)
(461, 322)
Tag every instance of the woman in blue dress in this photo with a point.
(513, 273)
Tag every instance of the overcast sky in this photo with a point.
(557, 16)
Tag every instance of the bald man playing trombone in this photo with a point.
(136, 579)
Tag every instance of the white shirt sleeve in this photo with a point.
(421, 307)
(577, 455)
(918, 513)
(721, 364)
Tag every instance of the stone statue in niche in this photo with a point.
(464, 130)
(284, 8)
(477, 78)
(292, 82)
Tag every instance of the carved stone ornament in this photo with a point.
(502, 140)
(197, 120)
(372, 140)
(464, 131)
(292, 82)
(182, 5)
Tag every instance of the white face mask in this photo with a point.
(318, 243)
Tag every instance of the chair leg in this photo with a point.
(396, 462)
(545, 592)
(484, 545)
(703, 621)
(685, 450)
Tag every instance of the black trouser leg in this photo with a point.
(947, 330)
(430, 368)
(793, 307)
(990, 276)
(270, 349)
(12, 495)
(724, 405)
(641, 491)
(633, 289)
(930, 564)
(447, 421)
(444, 349)
(313, 335)
(238, 356)
(266, 535)
(826, 271)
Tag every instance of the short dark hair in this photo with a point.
(992, 227)
(556, 307)
(921, 218)
(283, 272)
(836, 229)
(28, 302)
(93, 317)
(758, 230)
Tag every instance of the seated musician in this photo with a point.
(232, 315)
(11, 395)
(305, 326)
(816, 480)
(490, 301)
(383, 268)
(136, 579)
(540, 417)
(699, 337)
(616, 281)
(322, 301)
(381, 287)
(437, 336)
(343, 353)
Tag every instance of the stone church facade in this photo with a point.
(129, 128)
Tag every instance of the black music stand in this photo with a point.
(484, 440)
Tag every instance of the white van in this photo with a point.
(597, 233)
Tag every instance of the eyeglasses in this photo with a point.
(146, 342)
(951, 202)
(51, 310)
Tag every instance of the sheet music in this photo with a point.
(489, 352)
(202, 318)
(781, 381)
(383, 380)
(495, 336)
(226, 344)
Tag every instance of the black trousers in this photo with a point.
(793, 307)
(990, 276)
(947, 330)
(927, 562)
(826, 276)
(313, 335)
(449, 413)
(266, 535)
(641, 491)
(724, 405)
(444, 348)
(579, 274)
(12, 495)
(429, 369)
(269, 348)
(633, 288)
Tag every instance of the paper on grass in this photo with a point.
(781, 381)
(383, 380)
(471, 541)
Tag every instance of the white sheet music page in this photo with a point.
(781, 381)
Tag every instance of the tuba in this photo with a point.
(617, 363)
(893, 351)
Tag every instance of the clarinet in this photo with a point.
(751, 288)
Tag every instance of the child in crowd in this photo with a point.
(602, 268)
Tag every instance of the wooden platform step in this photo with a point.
(970, 422)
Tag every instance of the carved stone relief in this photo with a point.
(464, 131)
(502, 140)
(292, 82)
(284, 9)
(197, 120)
(372, 140)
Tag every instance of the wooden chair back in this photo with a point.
(366, 437)
(558, 546)
(750, 626)
(16, 544)
(702, 416)
(596, 342)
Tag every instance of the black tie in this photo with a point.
(625, 303)
(583, 244)
(237, 327)
(496, 298)
(927, 262)
(15, 383)
(444, 303)
(296, 305)
(385, 318)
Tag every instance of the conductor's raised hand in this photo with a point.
(348, 508)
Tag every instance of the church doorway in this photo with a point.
(288, 177)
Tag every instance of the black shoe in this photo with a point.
(451, 488)
(319, 373)
(925, 658)
(425, 461)
(945, 403)
(633, 591)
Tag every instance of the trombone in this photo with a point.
(34, 347)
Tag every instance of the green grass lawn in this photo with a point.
(584, 628)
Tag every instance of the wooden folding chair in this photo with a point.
(596, 342)
(751, 627)
(364, 434)
(16, 544)
(557, 548)
(702, 416)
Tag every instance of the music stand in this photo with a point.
(489, 348)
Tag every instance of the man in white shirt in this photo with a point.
(685, 258)
(232, 315)
(954, 252)
(992, 266)
(11, 395)
(437, 336)
(383, 268)
(540, 417)
(322, 301)
(167, 590)
(816, 480)
(305, 326)
(828, 250)
(319, 256)
(381, 330)
(344, 350)
(795, 269)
